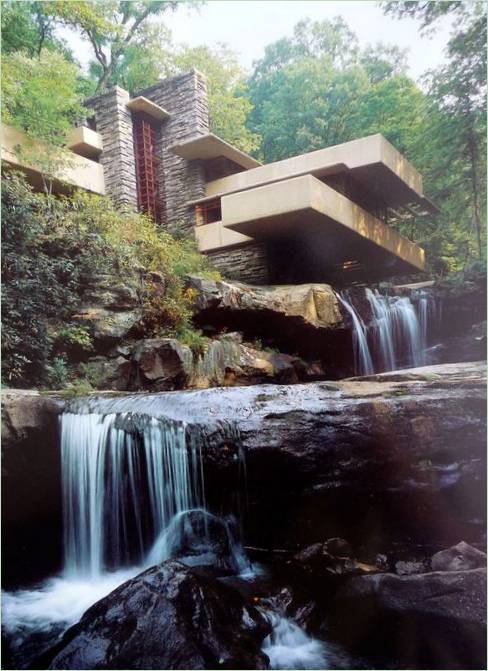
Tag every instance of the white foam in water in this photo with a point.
(289, 647)
(59, 601)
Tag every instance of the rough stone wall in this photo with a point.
(185, 97)
(248, 263)
(114, 123)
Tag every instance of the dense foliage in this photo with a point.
(53, 248)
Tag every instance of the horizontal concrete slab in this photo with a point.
(307, 210)
(77, 170)
(142, 104)
(372, 161)
(208, 146)
(85, 142)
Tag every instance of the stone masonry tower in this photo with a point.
(136, 133)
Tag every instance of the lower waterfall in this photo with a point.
(124, 478)
(133, 496)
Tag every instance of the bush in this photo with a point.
(52, 250)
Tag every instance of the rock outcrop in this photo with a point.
(304, 319)
(31, 492)
(112, 306)
(164, 364)
(168, 617)
(311, 304)
(431, 620)
(460, 557)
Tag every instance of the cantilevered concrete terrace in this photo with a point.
(333, 207)
(78, 169)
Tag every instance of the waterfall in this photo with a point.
(124, 480)
(396, 334)
(363, 363)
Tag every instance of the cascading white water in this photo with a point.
(395, 336)
(122, 488)
(363, 363)
(396, 332)
(290, 647)
(133, 496)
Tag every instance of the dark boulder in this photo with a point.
(168, 617)
(461, 557)
(432, 620)
(333, 557)
(200, 539)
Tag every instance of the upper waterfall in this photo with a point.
(394, 335)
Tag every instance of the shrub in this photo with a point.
(56, 374)
(53, 248)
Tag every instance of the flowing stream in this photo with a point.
(396, 334)
(133, 496)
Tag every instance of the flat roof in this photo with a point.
(142, 104)
(208, 146)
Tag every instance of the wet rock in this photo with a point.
(313, 304)
(334, 557)
(199, 539)
(164, 364)
(411, 567)
(25, 411)
(303, 319)
(338, 547)
(31, 491)
(437, 619)
(460, 557)
(166, 618)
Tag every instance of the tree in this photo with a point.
(318, 88)
(40, 97)
(27, 28)
(111, 27)
(455, 133)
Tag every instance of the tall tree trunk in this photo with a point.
(473, 157)
(105, 78)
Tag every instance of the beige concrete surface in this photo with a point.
(208, 146)
(372, 160)
(305, 205)
(78, 170)
(142, 104)
(85, 142)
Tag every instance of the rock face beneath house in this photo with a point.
(432, 620)
(313, 304)
(304, 318)
(168, 617)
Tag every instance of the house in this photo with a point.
(327, 215)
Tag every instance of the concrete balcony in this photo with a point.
(372, 162)
(305, 215)
(85, 142)
(77, 171)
